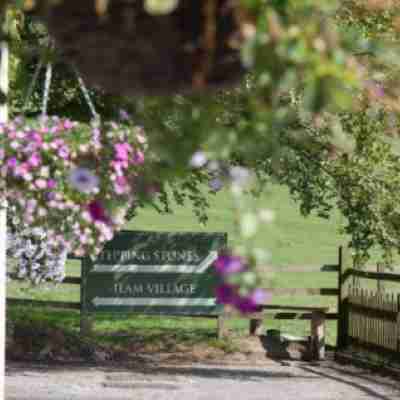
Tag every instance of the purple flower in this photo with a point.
(83, 180)
(246, 305)
(252, 302)
(226, 294)
(260, 296)
(98, 212)
(12, 162)
(123, 115)
(63, 152)
(138, 158)
(228, 264)
(215, 184)
(36, 137)
(51, 184)
(50, 196)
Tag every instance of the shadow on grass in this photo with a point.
(124, 332)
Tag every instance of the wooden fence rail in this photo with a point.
(369, 319)
(316, 315)
(374, 321)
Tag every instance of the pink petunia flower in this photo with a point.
(122, 151)
(22, 169)
(121, 185)
(41, 183)
(68, 124)
(34, 160)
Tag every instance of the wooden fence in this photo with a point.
(278, 312)
(294, 314)
(374, 321)
(369, 318)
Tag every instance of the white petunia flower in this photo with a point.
(198, 160)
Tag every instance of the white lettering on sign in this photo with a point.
(133, 290)
(199, 268)
(154, 289)
(157, 256)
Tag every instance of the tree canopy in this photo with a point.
(316, 108)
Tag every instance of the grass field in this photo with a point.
(291, 239)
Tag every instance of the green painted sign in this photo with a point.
(154, 273)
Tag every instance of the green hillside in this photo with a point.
(291, 239)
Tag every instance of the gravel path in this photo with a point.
(291, 381)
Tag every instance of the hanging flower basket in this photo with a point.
(75, 182)
(129, 50)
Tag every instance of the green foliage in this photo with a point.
(296, 116)
(363, 181)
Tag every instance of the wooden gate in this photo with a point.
(369, 319)
(374, 322)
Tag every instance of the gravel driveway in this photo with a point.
(289, 381)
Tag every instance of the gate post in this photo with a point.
(345, 266)
(380, 286)
(339, 339)
(318, 335)
(222, 330)
(256, 327)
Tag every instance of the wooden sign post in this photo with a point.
(153, 273)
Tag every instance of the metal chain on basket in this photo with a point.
(86, 95)
(46, 91)
(32, 85)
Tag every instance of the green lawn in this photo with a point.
(291, 239)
